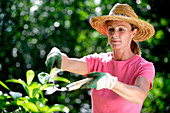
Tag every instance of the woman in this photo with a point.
(123, 78)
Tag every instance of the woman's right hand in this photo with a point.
(54, 58)
(62, 61)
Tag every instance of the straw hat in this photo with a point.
(123, 12)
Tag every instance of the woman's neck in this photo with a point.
(120, 55)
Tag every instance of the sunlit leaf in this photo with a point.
(19, 102)
(58, 107)
(44, 108)
(43, 100)
(22, 99)
(61, 79)
(19, 81)
(15, 94)
(41, 106)
(43, 77)
(46, 86)
(31, 106)
(1, 83)
(30, 76)
(54, 71)
(35, 91)
(34, 85)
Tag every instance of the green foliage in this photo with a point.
(30, 76)
(35, 101)
(30, 28)
(1, 83)
(61, 79)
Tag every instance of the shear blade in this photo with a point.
(51, 90)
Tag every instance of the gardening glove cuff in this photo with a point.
(100, 81)
(53, 59)
(108, 81)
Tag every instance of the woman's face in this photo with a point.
(120, 34)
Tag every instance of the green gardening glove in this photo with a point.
(101, 80)
(53, 59)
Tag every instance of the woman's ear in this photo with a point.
(134, 32)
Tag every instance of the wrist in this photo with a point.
(64, 62)
(112, 81)
(107, 81)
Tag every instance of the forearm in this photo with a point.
(131, 93)
(74, 65)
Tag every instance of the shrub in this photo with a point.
(35, 100)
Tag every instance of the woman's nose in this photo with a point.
(115, 34)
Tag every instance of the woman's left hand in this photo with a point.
(100, 81)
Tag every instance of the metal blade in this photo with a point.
(51, 90)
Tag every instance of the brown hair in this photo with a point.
(134, 45)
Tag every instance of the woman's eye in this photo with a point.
(121, 29)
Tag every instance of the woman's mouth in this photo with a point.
(115, 41)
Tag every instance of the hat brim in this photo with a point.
(145, 30)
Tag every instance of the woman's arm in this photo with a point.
(74, 65)
(135, 94)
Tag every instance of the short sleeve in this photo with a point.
(94, 62)
(147, 70)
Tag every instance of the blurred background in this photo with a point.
(30, 28)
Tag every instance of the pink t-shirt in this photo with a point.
(105, 100)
